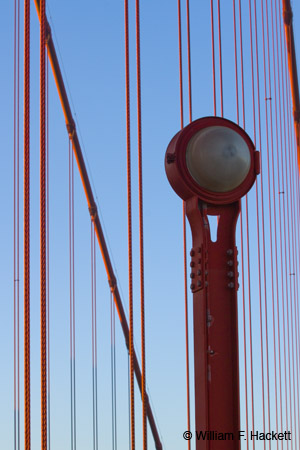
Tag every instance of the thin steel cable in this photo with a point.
(213, 55)
(129, 225)
(247, 225)
(188, 32)
(267, 94)
(242, 242)
(141, 225)
(220, 58)
(180, 63)
(72, 297)
(284, 229)
(184, 229)
(262, 216)
(27, 443)
(95, 331)
(273, 100)
(43, 225)
(287, 146)
(93, 335)
(113, 373)
(257, 205)
(289, 304)
(292, 266)
(16, 225)
(48, 253)
(282, 198)
(277, 125)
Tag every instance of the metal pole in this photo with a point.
(214, 286)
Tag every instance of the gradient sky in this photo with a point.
(89, 39)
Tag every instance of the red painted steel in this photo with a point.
(214, 283)
(43, 228)
(289, 34)
(27, 430)
(94, 213)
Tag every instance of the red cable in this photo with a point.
(274, 203)
(213, 54)
(189, 56)
(241, 234)
(289, 310)
(180, 64)
(220, 57)
(27, 224)
(236, 64)
(263, 220)
(16, 225)
(129, 219)
(184, 236)
(141, 226)
(43, 260)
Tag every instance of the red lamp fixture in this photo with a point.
(211, 164)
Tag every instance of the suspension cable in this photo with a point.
(213, 55)
(27, 224)
(94, 339)
(48, 254)
(183, 207)
(113, 373)
(129, 225)
(16, 225)
(72, 297)
(141, 226)
(43, 225)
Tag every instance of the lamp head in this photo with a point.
(212, 158)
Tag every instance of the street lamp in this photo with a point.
(211, 164)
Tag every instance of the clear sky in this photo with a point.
(89, 39)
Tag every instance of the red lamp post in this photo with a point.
(211, 164)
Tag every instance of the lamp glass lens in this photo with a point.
(218, 158)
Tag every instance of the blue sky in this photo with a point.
(90, 44)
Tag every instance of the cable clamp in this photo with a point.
(296, 116)
(71, 129)
(93, 212)
(48, 33)
(112, 284)
(287, 16)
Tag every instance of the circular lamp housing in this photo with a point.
(212, 158)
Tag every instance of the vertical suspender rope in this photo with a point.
(94, 339)
(27, 445)
(16, 225)
(256, 201)
(281, 202)
(262, 217)
(183, 215)
(72, 297)
(129, 224)
(220, 58)
(47, 252)
(43, 225)
(213, 55)
(113, 374)
(274, 102)
(139, 126)
(269, 153)
(241, 233)
(189, 56)
(279, 256)
(289, 300)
